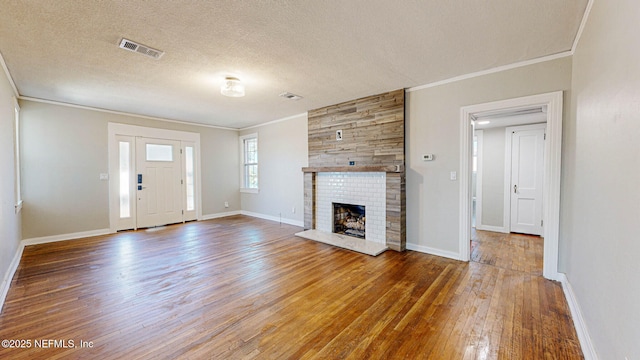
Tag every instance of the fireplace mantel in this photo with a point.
(382, 168)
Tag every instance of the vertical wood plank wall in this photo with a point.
(372, 135)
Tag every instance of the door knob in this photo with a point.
(515, 189)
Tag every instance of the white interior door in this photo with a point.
(158, 182)
(527, 176)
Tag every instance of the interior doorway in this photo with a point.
(552, 103)
(508, 172)
(154, 177)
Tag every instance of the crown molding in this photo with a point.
(275, 121)
(583, 23)
(6, 71)
(492, 71)
(52, 102)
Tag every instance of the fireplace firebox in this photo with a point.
(349, 219)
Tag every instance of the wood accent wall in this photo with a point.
(372, 132)
(373, 137)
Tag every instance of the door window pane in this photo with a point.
(125, 188)
(156, 152)
(190, 178)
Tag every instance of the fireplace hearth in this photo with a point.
(349, 219)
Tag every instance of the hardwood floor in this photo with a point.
(518, 252)
(243, 288)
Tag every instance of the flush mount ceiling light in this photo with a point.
(232, 87)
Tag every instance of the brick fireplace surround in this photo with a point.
(369, 151)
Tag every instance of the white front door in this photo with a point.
(527, 170)
(158, 182)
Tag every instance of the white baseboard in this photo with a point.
(220, 215)
(274, 218)
(8, 276)
(498, 229)
(433, 251)
(588, 350)
(63, 237)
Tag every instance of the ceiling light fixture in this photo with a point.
(484, 122)
(232, 87)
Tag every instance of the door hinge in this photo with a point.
(545, 136)
(180, 151)
(181, 182)
(541, 222)
(182, 212)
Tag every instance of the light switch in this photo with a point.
(104, 176)
(453, 176)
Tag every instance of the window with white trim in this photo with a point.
(249, 153)
(16, 152)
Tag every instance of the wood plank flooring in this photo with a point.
(244, 288)
(513, 251)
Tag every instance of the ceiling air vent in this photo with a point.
(141, 49)
(290, 96)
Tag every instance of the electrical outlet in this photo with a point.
(427, 157)
(226, 204)
(293, 209)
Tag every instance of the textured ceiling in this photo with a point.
(326, 51)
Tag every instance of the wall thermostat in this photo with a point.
(427, 157)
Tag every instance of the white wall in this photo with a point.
(493, 177)
(64, 149)
(282, 153)
(9, 220)
(601, 177)
(433, 126)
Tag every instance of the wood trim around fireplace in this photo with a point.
(387, 169)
